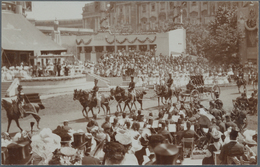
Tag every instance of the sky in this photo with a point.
(49, 10)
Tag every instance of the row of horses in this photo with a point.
(119, 94)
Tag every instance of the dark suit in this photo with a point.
(232, 148)
(88, 160)
(190, 134)
(230, 123)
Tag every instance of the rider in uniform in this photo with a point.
(131, 88)
(95, 92)
(20, 100)
(169, 82)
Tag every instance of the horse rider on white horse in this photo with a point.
(20, 100)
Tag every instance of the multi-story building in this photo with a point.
(133, 16)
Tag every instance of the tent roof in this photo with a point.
(19, 34)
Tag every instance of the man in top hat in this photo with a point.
(166, 154)
(232, 152)
(169, 82)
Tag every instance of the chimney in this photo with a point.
(19, 7)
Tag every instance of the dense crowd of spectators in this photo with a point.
(131, 140)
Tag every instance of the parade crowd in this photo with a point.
(178, 132)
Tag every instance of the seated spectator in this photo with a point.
(163, 131)
(232, 152)
(189, 133)
(221, 125)
(229, 123)
(154, 140)
(66, 125)
(90, 160)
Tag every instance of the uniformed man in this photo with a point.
(169, 81)
(95, 91)
(20, 100)
(131, 88)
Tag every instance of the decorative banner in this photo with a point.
(133, 41)
(82, 41)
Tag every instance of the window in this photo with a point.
(171, 5)
(162, 5)
(153, 7)
(144, 8)
(121, 9)
(194, 3)
(205, 3)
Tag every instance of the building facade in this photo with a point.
(158, 16)
(149, 16)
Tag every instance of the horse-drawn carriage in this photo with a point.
(196, 89)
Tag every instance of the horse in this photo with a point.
(85, 99)
(163, 92)
(240, 82)
(13, 112)
(121, 95)
(79, 95)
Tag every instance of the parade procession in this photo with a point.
(129, 83)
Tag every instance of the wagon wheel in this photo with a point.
(194, 95)
(255, 85)
(214, 89)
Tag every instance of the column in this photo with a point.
(126, 48)
(137, 47)
(148, 47)
(93, 49)
(82, 54)
(104, 48)
(115, 48)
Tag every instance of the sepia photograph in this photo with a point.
(129, 82)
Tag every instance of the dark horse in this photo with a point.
(85, 99)
(163, 92)
(122, 95)
(13, 113)
(240, 82)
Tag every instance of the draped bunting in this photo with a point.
(82, 41)
(133, 41)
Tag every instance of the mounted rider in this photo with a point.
(131, 88)
(95, 93)
(20, 100)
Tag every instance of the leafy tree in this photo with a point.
(217, 41)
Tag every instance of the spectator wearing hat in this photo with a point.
(66, 125)
(114, 153)
(20, 100)
(163, 131)
(126, 140)
(229, 123)
(166, 154)
(212, 147)
(154, 140)
(140, 117)
(232, 152)
(90, 160)
(221, 124)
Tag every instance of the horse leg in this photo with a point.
(9, 123)
(120, 107)
(125, 107)
(158, 101)
(238, 89)
(141, 103)
(18, 125)
(37, 118)
(105, 112)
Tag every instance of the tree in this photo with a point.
(222, 42)
(217, 41)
